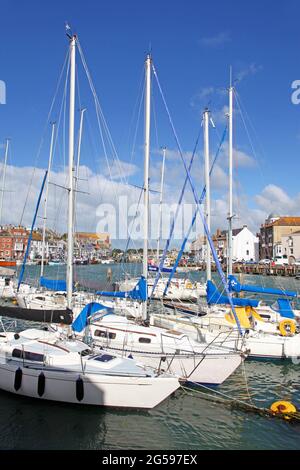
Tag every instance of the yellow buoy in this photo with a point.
(188, 285)
(283, 407)
(287, 327)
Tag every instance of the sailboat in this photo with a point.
(179, 289)
(40, 364)
(246, 326)
(55, 366)
(161, 348)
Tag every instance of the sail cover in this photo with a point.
(138, 293)
(42, 316)
(215, 297)
(235, 286)
(154, 269)
(90, 309)
(285, 308)
(53, 284)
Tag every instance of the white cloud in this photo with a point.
(103, 190)
(219, 116)
(201, 98)
(100, 189)
(251, 69)
(216, 41)
(273, 198)
(120, 170)
(242, 159)
(207, 94)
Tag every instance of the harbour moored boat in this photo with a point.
(40, 364)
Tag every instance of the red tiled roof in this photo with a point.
(285, 222)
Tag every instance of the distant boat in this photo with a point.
(81, 261)
(107, 261)
(56, 262)
(7, 263)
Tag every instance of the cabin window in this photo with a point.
(85, 352)
(267, 317)
(40, 298)
(145, 340)
(28, 355)
(105, 334)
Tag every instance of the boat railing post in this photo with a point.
(82, 366)
(23, 355)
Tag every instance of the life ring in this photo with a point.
(287, 327)
(283, 407)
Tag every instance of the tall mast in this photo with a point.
(146, 172)
(46, 199)
(71, 172)
(160, 202)
(206, 120)
(82, 111)
(3, 178)
(230, 141)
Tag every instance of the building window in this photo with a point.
(247, 252)
(292, 251)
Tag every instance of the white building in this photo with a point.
(245, 245)
(290, 246)
(198, 248)
(36, 247)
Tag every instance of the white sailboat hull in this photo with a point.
(165, 350)
(210, 369)
(258, 344)
(100, 390)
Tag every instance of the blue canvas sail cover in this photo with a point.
(138, 293)
(285, 308)
(90, 309)
(53, 284)
(235, 286)
(215, 297)
(154, 269)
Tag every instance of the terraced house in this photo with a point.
(272, 233)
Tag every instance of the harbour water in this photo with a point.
(181, 422)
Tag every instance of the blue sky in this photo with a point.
(193, 44)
